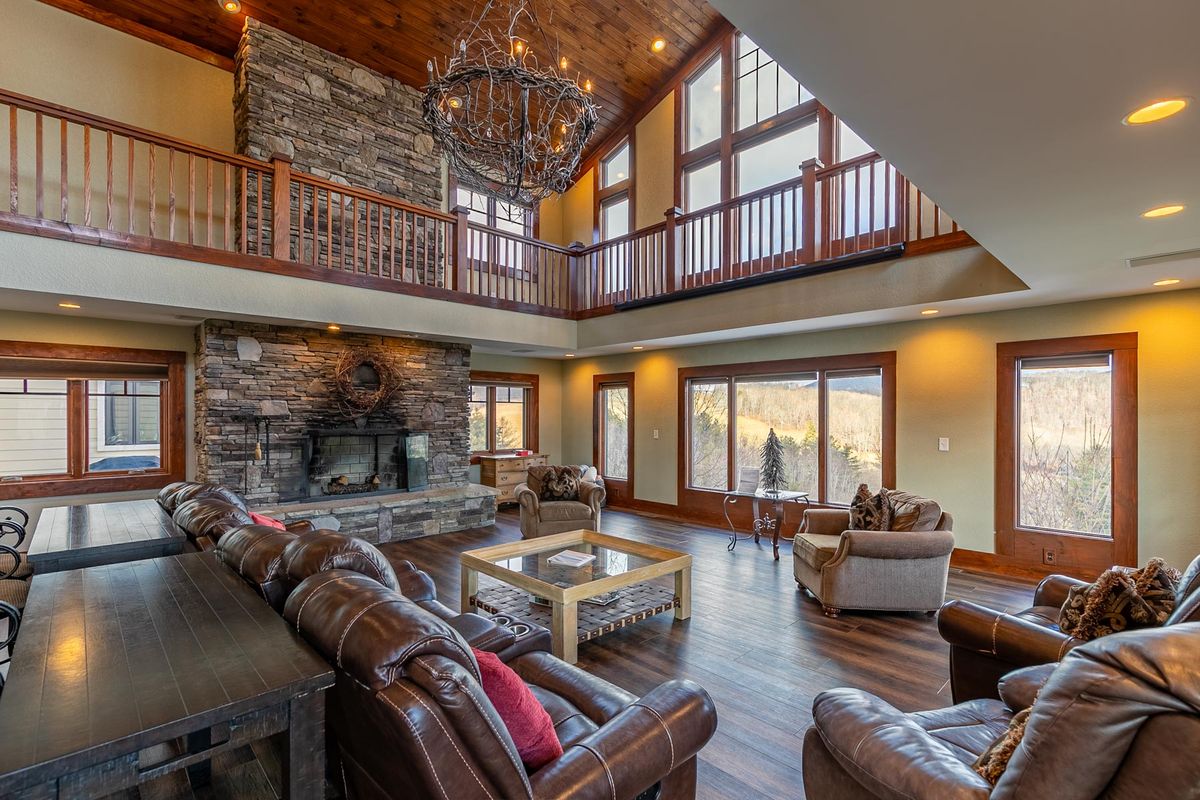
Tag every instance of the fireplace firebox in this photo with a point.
(356, 461)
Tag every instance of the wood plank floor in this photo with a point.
(762, 649)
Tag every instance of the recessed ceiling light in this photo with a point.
(69, 305)
(929, 312)
(333, 327)
(1163, 211)
(231, 6)
(569, 355)
(658, 45)
(1158, 110)
(1167, 282)
(638, 347)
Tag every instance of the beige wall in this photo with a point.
(946, 386)
(57, 56)
(654, 160)
(70, 329)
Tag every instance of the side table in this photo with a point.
(764, 525)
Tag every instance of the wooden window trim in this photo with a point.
(527, 379)
(603, 195)
(619, 491)
(173, 437)
(1080, 553)
(707, 503)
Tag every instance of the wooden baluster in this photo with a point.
(392, 242)
(170, 194)
(227, 191)
(129, 184)
(937, 220)
(62, 166)
(14, 204)
(245, 192)
(108, 182)
(329, 228)
(191, 198)
(153, 209)
(872, 201)
(367, 233)
(316, 220)
(38, 166)
(920, 216)
(379, 238)
(808, 214)
(258, 249)
(208, 236)
(281, 209)
(87, 176)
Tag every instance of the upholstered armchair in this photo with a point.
(545, 517)
(985, 644)
(1114, 719)
(876, 570)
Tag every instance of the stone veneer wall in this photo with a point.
(333, 117)
(250, 369)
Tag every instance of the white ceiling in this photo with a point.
(1009, 115)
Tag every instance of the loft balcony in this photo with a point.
(78, 177)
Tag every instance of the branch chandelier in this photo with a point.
(505, 120)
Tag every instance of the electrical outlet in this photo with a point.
(1048, 556)
(656, 433)
(944, 444)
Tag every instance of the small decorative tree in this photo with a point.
(773, 476)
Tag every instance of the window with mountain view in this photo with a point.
(831, 421)
(501, 413)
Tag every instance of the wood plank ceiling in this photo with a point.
(606, 41)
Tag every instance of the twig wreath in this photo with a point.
(355, 399)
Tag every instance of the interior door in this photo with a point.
(612, 435)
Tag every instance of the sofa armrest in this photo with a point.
(825, 521)
(300, 526)
(527, 498)
(888, 753)
(598, 699)
(592, 495)
(1053, 589)
(635, 749)
(1012, 639)
(1019, 688)
(895, 544)
(415, 584)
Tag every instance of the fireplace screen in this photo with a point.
(345, 462)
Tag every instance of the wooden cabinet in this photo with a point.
(507, 472)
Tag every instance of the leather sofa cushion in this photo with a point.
(571, 724)
(967, 729)
(319, 551)
(816, 549)
(564, 510)
(198, 491)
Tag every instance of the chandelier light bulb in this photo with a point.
(587, 85)
(562, 63)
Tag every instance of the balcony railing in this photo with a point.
(75, 176)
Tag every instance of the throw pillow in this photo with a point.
(270, 522)
(993, 761)
(588, 473)
(1120, 600)
(528, 724)
(870, 512)
(911, 512)
(555, 483)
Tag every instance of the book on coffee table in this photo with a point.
(571, 558)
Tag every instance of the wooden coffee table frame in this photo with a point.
(565, 602)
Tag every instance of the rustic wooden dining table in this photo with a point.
(73, 537)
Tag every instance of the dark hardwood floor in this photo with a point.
(762, 649)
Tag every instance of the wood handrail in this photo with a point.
(516, 237)
(640, 233)
(368, 194)
(103, 123)
(849, 164)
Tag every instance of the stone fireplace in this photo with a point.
(270, 425)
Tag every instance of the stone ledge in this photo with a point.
(399, 515)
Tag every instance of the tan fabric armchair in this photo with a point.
(876, 570)
(545, 517)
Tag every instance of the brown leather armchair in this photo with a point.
(876, 570)
(1118, 718)
(411, 720)
(985, 644)
(545, 517)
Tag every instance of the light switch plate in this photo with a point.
(944, 444)
(656, 433)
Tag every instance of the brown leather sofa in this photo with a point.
(205, 512)
(411, 720)
(1118, 718)
(985, 644)
(875, 570)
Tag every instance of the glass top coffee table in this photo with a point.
(528, 586)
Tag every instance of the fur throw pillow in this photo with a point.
(1121, 599)
(993, 761)
(870, 512)
(555, 483)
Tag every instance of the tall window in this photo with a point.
(835, 417)
(502, 412)
(614, 192)
(613, 433)
(493, 212)
(763, 89)
(74, 421)
(702, 105)
(1065, 418)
